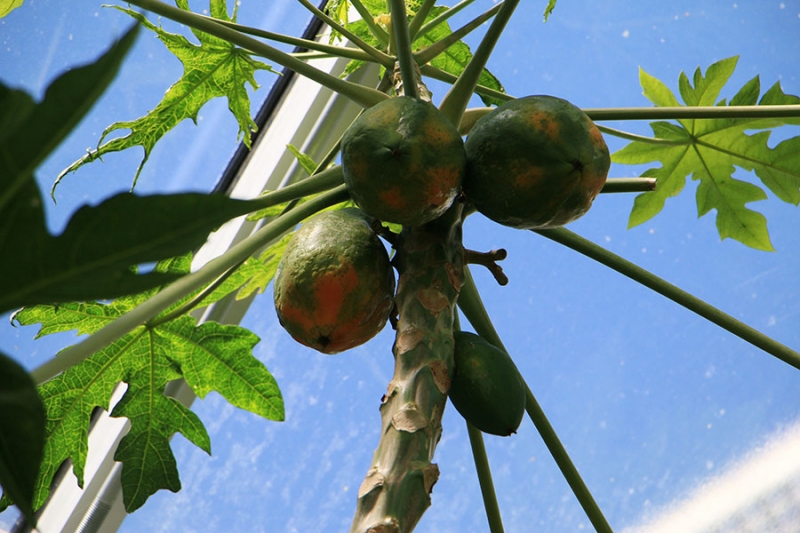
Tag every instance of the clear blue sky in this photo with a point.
(649, 399)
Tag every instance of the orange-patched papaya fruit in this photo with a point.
(334, 286)
(487, 389)
(403, 161)
(535, 162)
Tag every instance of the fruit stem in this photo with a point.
(679, 296)
(485, 479)
(427, 54)
(433, 23)
(455, 101)
(363, 96)
(185, 286)
(470, 303)
(376, 54)
(403, 48)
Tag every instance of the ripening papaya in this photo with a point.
(535, 162)
(403, 161)
(487, 389)
(334, 286)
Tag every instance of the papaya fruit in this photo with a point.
(487, 389)
(334, 286)
(403, 161)
(534, 163)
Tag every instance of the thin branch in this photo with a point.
(443, 17)
(485, 479)
(405, 57)
(369, 20)
(615, 185)
(419, 18)
(363, 96)
(679, 296)
(184, 286)
(470, 303)
(642, 138)
(693, 112)
(455, 101)
(427, 54)
(380, 57)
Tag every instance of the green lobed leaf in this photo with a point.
(22, 428)
(710, 150)
(215, 68)
(210, 357)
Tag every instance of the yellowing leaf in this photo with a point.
(210, 357)
(710, 150)
(7, 6)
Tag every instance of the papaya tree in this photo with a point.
(410, 174)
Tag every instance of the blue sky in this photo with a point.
(648, 398)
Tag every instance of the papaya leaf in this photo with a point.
(210, 357)
(92, 258)
(7, 6)
(551, 5)
(22, 427)
(305, 161)
(213, 69)
(710, 150)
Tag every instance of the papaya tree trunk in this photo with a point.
(396, 490)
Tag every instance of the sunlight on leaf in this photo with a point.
(213, 69)
(210, 357)
(551, 5)
(710, 150)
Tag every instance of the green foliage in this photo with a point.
(7, 6)
(709, 149)
(214, 68)
(453, 60)
(551, 5)
(209, 356)
(22, 421)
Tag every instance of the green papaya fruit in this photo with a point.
(487, 389)
(334, 287)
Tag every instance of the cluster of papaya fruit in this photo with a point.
(531, 163)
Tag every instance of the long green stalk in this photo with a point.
(485, 479)
(363, 96)
(545, 429)
(455, 101)
(615, 185)
(470, 303)
(443, 17)
(679, 296)
(323, 181)
(678, 112)
(405, 57)
(379, 56)
(419, 18)
(427, 54)
(327, 50)
(441, 75)
(186, 285)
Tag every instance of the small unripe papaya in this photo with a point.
(487, 389)
(334, 287)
